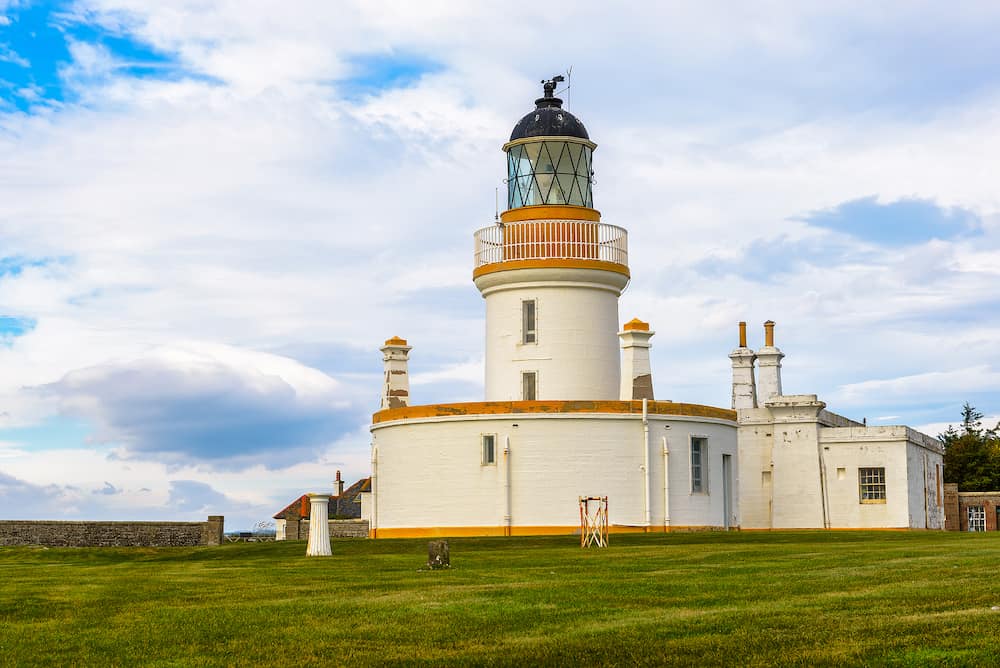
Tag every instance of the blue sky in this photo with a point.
(35, 46)
(211, 215)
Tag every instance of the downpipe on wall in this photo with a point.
(666, 484)
(645, 462)
(373, 522)
(506, 486)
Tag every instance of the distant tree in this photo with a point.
(972, 453)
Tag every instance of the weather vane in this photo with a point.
(549, 86)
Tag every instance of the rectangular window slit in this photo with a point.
(489, 449)
(528, 386)
(528, 332)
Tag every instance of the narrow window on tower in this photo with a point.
(528, 333)
(699, 446)
(489, 449)
(528, 383)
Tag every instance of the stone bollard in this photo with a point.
(438, 555)
(319, 526)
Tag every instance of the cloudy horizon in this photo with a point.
(212, 215)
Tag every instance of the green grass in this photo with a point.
(806, 598)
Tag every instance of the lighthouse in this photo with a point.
(569, 409)
(550, 271)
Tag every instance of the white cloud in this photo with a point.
(209, 403)
(957, 381)
(7, 54)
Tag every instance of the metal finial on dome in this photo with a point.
(549, 86)
(549, 98)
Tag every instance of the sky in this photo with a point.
(213, 213)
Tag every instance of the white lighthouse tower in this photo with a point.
(550, 271)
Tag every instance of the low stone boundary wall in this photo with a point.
(111, 534)
(299, 530)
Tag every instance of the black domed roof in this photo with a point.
(549, 119)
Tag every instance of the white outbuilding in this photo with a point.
(569, 410)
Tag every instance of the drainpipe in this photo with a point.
(506, 485)
(373, 520)
(666, 486)
(645, 463)
(822, 486)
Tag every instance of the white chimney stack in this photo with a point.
(769, 362)
(637, 375)
(744, 387)
(396, 389)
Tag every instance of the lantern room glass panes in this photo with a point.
(549, 172)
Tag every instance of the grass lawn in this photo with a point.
(712, 598)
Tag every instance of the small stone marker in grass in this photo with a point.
(438, 555)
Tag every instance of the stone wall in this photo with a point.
(111, 534)
(957, 508)
(299, 529)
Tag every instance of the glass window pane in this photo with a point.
(544, 184)
(528, 386)
(697, 454)
(574, 151)
(563, 161)
(566, 184)
(528, 334)
(489, 448)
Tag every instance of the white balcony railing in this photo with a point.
(550, 239)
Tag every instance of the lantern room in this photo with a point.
(549, 156)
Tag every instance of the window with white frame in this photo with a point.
(871, 484)
(977, 518)
(489, 443)
(529, 333)
(529, 385)
(699, 455)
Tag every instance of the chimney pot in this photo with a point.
(769, 333)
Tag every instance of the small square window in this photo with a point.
(489, 442)
(529, 333)
(529, 382)
(871, 484)
(699, 448)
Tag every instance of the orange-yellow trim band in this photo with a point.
(547, 211)
(550, 263)
(521, 407)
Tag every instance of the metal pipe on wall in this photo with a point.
(506, 486)
(645, 462)
(666, 485)
(373, 520)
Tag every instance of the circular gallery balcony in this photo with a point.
(551, 242)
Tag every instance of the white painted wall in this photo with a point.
(790, 439)
(576, 354)
(430, 472)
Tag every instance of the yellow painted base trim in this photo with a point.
(550, 263)
(466, 532)
(837, 529)
(550, 211)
